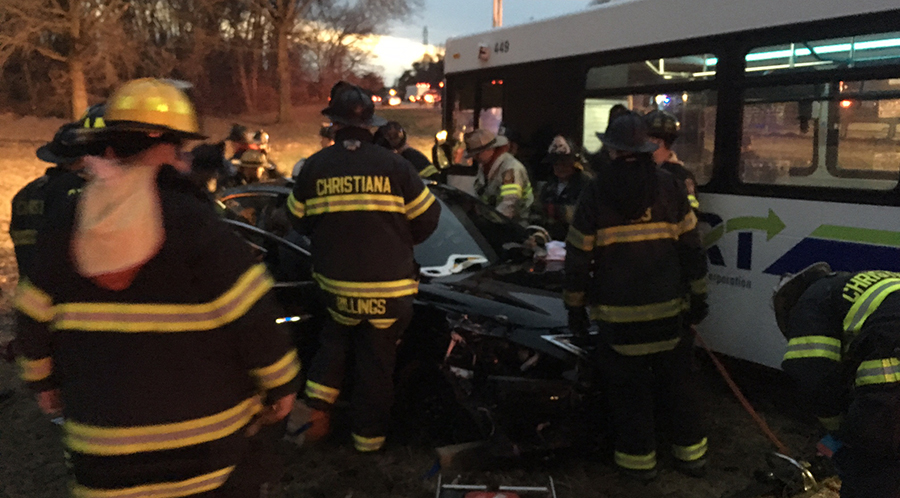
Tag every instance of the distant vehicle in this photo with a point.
(431, 97)
(789, 120)
(376, 99)
(394, 101)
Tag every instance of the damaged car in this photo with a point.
(487, 355)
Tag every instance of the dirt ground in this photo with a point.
(31, 457)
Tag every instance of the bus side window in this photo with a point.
(840, 135)
(696, 113)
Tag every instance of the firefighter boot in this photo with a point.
(320, 425)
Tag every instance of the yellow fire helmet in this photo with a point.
(153, 106)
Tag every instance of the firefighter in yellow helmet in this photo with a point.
(147, 324)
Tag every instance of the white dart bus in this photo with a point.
(790, 120)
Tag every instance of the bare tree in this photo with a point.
(70, 32)
(336, 33)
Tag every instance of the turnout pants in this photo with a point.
(867, 476)
(636, 385)
(374, 351)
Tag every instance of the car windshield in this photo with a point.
(467, 227)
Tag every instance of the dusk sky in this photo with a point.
(450, 18)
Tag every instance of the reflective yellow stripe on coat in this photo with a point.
(394, 288)
(882, 371)
(193, 486)
(511, 189)
(35, 370)
(322, 392)
(641, 313)
(296, 207)
(122, 317)
(640, 232)
(34, 302)
(581, 241)
(355, 202)
(813, 346)
(428, 171)
(868, 302)
(106, 441)
(419, 205)
(279, 373)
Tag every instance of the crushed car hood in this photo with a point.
(480, 293)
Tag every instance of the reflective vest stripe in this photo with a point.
(419, 205)
(355, 202)
(365, 444)
(579, 240)
(428, 171)
(106, 441)
(279, 373)
(34, 302)
(641, 313)
(688, 223)
(813, 346)
(35, 370)
(394, 288)
(511, 189)
(868, 302)
(646, 348)
(636, 462)
(640, 232)
(883, 371)
(691, 453)
(193, 486)
(296, 207)
(123, 317)
(322, 392)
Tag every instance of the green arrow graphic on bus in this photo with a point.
(859, 235)
(772, 224)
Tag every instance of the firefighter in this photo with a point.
(240, 139)
(559, 196)
(148, 326)
(634, 258)
(364, 208)
(663, 129)
(843, 333)
(502, 180)
(601, 157)
(251, 168)
(41, 203)
(392, 136)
